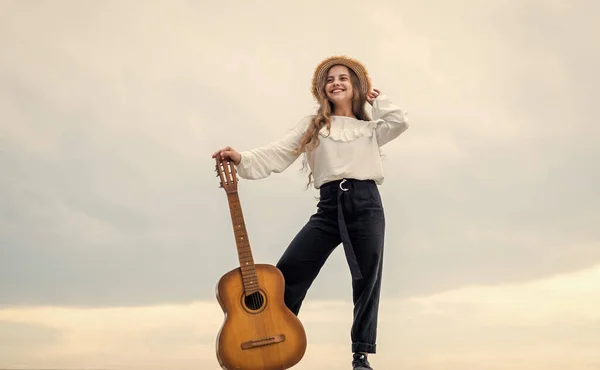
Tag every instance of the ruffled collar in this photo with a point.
(346, 129)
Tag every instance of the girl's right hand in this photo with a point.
(229, 153)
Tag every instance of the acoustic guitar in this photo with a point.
(259, 332)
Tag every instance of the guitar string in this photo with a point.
(255, 297)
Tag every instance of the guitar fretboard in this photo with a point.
(243, 244)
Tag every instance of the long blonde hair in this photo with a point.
(310, 139)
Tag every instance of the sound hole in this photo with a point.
(254, 301)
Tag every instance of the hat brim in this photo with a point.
(358, 68)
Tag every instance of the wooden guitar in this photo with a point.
(259, 331)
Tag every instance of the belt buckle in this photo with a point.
(343, 189)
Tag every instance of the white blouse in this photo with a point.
(350, 150)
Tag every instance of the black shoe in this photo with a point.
(360, 362)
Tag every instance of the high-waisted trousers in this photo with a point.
(349, 212)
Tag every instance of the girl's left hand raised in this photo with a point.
(372, 95)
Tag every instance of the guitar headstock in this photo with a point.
(226, 171)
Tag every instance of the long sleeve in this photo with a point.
(275, 157)
(389, 119)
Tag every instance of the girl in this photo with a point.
(341, 146)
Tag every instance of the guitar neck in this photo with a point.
(243, 244)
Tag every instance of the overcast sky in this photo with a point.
(111, 218)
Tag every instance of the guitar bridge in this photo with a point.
(263, 342)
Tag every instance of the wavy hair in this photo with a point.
(310, 140)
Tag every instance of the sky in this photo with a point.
(114, 232)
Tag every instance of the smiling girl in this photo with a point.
(341, 146)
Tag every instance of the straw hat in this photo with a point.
(320, 73)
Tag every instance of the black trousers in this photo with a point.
(349, 212)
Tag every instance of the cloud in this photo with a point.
(19, 335)
(546, 324)
(554, 300)
(21, 341)
(110, 113)
(153, 336)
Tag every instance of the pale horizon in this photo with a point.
(114, 232)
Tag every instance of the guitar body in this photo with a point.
(259, 331)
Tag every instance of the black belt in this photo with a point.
(348, 249)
